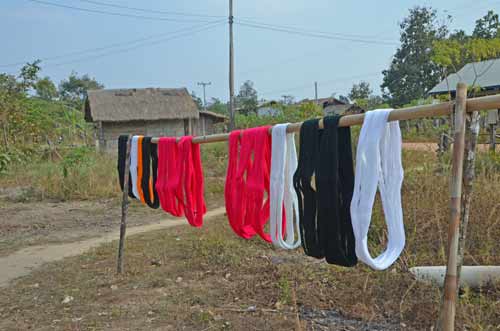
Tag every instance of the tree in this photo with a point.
(288, 99)
(46, 89)
(360, 91)
(218, 107)
(75, 88)
(197, 100)
(28, 75)
(247, 98)
(487, 27)
(412, 73)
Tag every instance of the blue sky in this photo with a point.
(151, 53)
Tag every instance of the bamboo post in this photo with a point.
(125, 203)
(450, 282)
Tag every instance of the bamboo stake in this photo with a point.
(125, 203)
(450, 282)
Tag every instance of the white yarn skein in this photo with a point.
(378, 165)
(133, 165)
(283, 166)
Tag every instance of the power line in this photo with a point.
(318, 35)
(145, 10)
(287, 60)
(124, 50)
(305, 30)
(328, 82)
(114, 45)
(97, 11)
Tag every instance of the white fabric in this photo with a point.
(378, 164)
(133, 165)
(282, 193)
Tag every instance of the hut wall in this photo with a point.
(112, 130)
(206, 125)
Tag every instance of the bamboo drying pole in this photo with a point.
(125, 203)
(451, 280)
(409, 113)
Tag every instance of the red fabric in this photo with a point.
(247, 181)
(180, 183)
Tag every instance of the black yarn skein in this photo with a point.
(149, 164)
(310, 229)
(122, 153)
(335, 184)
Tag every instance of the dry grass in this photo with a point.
(91, 176)
(210, 279)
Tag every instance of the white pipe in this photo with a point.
(472, 276)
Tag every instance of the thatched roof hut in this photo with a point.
(148, 111)
(148, 104)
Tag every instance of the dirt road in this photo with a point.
(21, 262)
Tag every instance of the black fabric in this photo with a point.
(335, 184)
(149, 164)
(122, 153)
(312, 233)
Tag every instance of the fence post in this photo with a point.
(451, 279)
(125, 203)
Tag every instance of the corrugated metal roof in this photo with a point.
(486, 72)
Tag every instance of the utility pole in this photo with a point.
(204, 84)
(231, 68)
(316, 92)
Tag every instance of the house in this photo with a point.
(270, 108)
(336, 106)
(147, 111)
(485, 75)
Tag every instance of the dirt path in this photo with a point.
(22, 262)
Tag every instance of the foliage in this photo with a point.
(452, 54)
(372, 102)
(288, 99)
(288, 114)
(80, 174)
(411, 73)
(77, 156)
(74, 89)
(218, 107)
(361, 90)
(46, 89)
(197, 100)
(487, 27)
(29, 75)
(34, 127)
(458, 49)
(246, 99)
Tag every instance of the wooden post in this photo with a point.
(125, 203)
(450, 282)
(471, 138)
(231, 69)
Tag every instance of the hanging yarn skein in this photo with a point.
(378, 165)
(122, 154)
(303, 181)
(133, 165)
(284, 209)
(335, 182)
(149, 165)
(247, 181)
